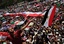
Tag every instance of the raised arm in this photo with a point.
(22, 28)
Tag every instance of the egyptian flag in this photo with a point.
(45, 16)
(49, 16)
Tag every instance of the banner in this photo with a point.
(31, 14)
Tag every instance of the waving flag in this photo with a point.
(50, 17)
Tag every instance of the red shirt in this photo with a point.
(15, 37)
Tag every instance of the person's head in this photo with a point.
(11, 29)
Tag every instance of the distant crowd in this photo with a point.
(30, 29)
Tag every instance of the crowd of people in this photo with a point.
(30, 29)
